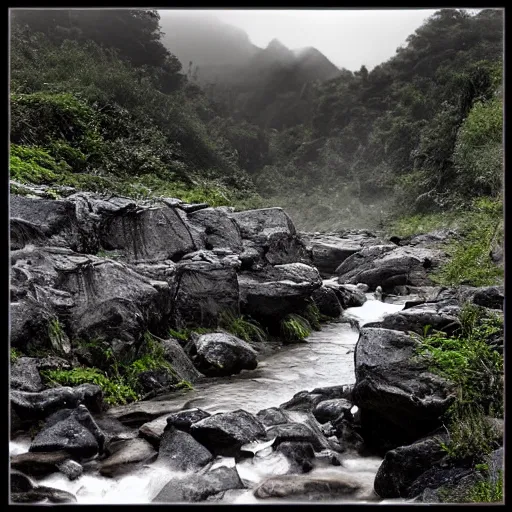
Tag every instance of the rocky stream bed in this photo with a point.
(349, 414)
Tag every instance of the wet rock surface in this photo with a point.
(181, 452)
(225, 433)
(403, 465)
(194, 488)
(400, 400)
(220, 353)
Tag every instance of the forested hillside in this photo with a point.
(421, 133)
(102, 109)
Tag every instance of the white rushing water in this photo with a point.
(326, 359)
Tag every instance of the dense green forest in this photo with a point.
(98, 102)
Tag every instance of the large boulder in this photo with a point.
(43, 494)
(490, 297)
(94, 297)
(328, 252)
(180, 362)
(225, 433)
(78, 434)
(311, 487)
(271, 416)
(218, 228)
(194, 488)
(220, 353)
(183, 420)
(179, 451)
(399, 399)
(389, 266)
(39, 463)
(272, 230)
(301, 455)
(294, 432)
(138, 413)
(31, 407)
(403, 465)
(37, 221)
(205, 287)
(329, 410)
(349, 295)
(274, 292)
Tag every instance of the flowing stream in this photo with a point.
(325, 359)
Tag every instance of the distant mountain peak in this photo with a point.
(275, 44)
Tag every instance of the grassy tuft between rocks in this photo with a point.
(119, 380)
(476, 370)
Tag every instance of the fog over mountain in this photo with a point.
(222, 53)
(349, 38)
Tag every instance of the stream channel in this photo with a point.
(325, 359)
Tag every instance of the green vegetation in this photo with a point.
(119, 379)
(15, 355)
(486, 491)
(476, 370)
(58, 337)
(295, 328)
(96, 110)
(82, 116)
(115, 390)
(469, 254)
(313, 316)
(242, 327)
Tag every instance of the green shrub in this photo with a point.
(478, 153)
(242, 327)
(295, 328)
(115, 390)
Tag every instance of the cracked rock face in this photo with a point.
(94, 297)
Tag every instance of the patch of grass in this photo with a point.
(295, 328)
(242, 327)
(15, 355)
(314, 317)
(151, 357)
(183, 335)
(115, 391)
(476, 370)
(57, 335)
(424, 223)
(486, 491)
(113, 255)
(469, 257)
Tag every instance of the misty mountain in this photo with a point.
(223, 54)
(217, 49)
(252, 83)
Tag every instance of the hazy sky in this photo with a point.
(349, 38)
